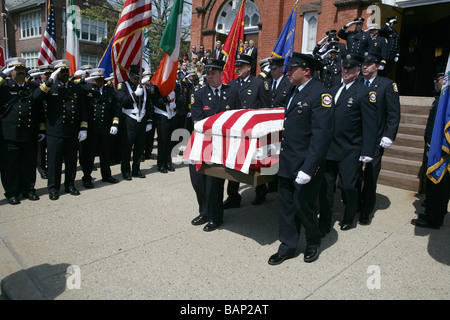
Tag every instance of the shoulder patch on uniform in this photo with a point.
(372, 96)
(326, 100)
(394, 86)
(266, 85)
(192, 99)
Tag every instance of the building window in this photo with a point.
(228, 14)
(93, 30)
(90, 60)
(309, 32)
(31, 58)
(30, 24)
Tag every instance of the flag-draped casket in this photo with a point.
(241, 141)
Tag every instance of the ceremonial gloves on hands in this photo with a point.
(41, 136)
(7, 72)
(113, 130)
(55, 73)
(365, 159)
(350, 24)
(323, 41)
(385, 142)
(139, 91)
(302, 178)
(148, 127)
(82, 135)
(171, 96)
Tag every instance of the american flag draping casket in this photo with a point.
(242, 140)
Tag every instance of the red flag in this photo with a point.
(234, 45)
(47, 53)
(126, 48)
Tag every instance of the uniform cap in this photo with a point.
(373, 26)
(373, 57)
(213, 64)
(392, 18)
(276, 62)
(46, 68)
(86, 67)
(243, 59)
(135, 70)
(303, 60)
(111, 77)
(95, 74)
(351, 60)
(16, 62)
(64, 64)
(359, 20)
(264, 62)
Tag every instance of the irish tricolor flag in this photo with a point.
(73, 34)
(166, 75)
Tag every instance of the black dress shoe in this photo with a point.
(138, 174)
(258, 200)
(425, 224)
(53, 196)
(364, 220)
(211, 226)
(110, 180)
(170, 168)
(73, 191)
(311, 253)
(278, 258)
(163, 170)
(88, 184)
(231, 203)
(126, 176)
(13, 200)
(346, 226)
(152, 157)
(30, 196)
(199, 220)
(44, 175)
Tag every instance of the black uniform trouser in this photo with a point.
(42, 156)
(198, 182)
(132, 141)
(149, 141)
(164, 129)
(349, 173)
(59, 149)
(437, 197)
(18, 167)
(297, 207)
(233, 191)
(369, 188)
(96, 143)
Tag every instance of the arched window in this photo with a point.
(309, 32)
(228, 14)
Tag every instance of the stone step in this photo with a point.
(399, 180)
(414, 118)
(400, 165)
(413, 129)
(409, 140)
(402, 152)
(423, 110)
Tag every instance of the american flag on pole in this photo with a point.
(127, 43)
(47, 54)
(241, 139)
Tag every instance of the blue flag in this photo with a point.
(285, 43)
(438, 158)
(106, 60)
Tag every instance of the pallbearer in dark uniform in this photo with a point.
(279, 85)
(307, 133)
(265, 70)
(66, 126)
(135, 120)
(149, 135)
(103, 121)
(254, 94)
(45, 70)
(388, 105)
(205, 102)
(357, 40)
(354, 142)
(377, 44)
(21, 121)
(330, 69)
(393, 45)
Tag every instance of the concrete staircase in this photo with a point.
(401, 162)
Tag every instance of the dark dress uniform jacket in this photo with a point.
(280, 95)
(388, 105)
(66, 109)
(331, 73)
(393, 41)
(308, 130)
(204, 104)
(379, 45)
(356, 124)
(25, 115)
(101, 108)
(357, 42)
(254, 92)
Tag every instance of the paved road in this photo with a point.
(134, 240)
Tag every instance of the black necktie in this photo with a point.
(216, 93)
(274, 86)
(367, 83)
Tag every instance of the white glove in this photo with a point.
(172, 105)
(365, 159)
(79, 73)
(7, 72)
(54, 74)
(139, 91)
(302, 178)
(41, 136)
(381, 67)
(189, 115)
(350, 24)
(395, 59)
(323, 40)
(324, 48)
(385, 142)
(391, 21)
(171, 96)
(35, 74)
(148, 127)
(113, 130)
(82, 135)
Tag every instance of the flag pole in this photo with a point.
(140, 65)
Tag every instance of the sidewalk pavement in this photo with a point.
(134, 240)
